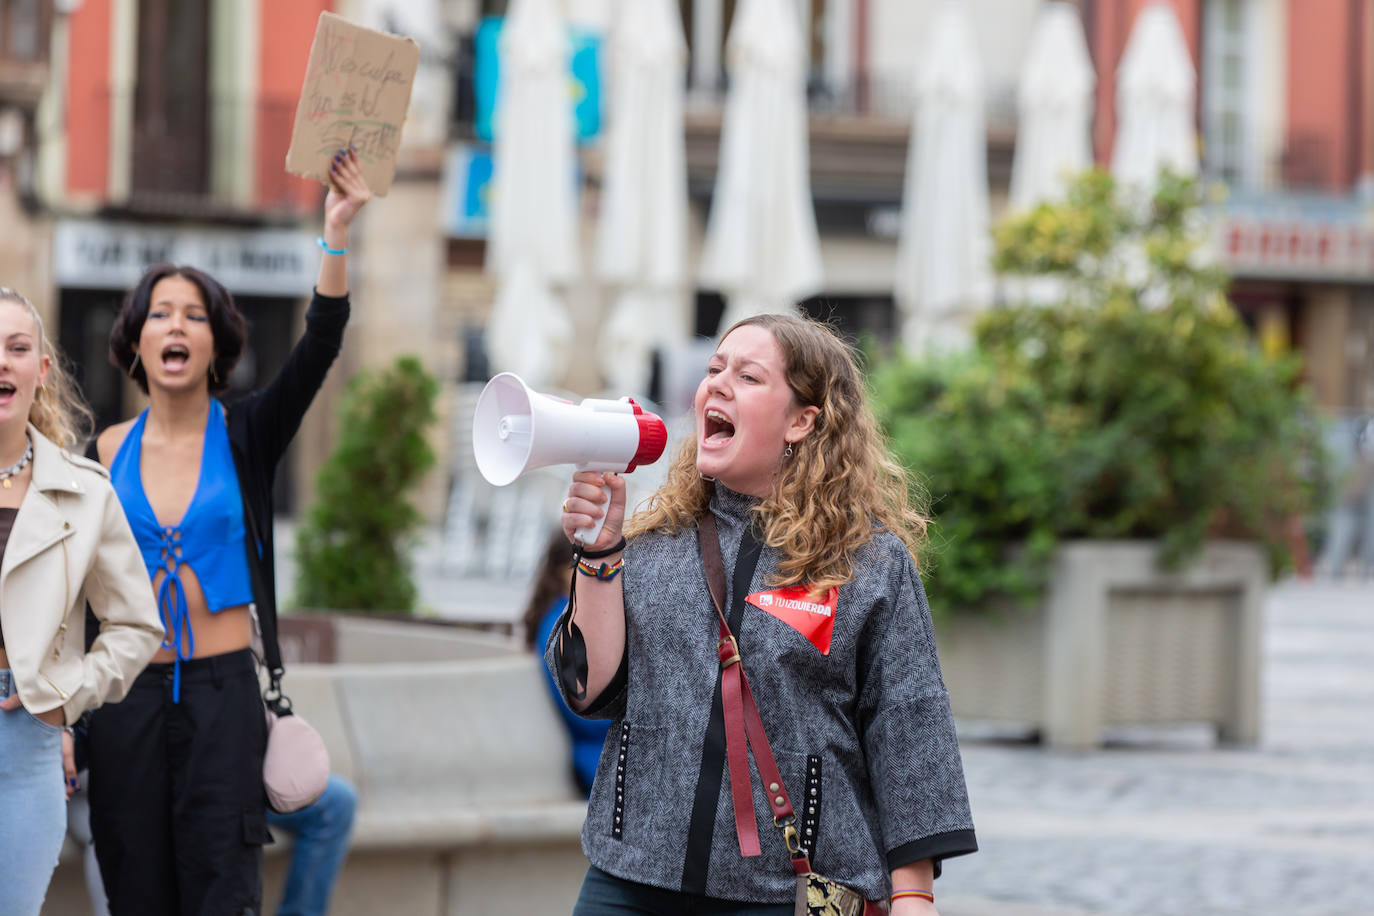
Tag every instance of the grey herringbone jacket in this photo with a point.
(863, 735)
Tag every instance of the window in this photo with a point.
(171, 100)
(23, 29)
(1225, 75)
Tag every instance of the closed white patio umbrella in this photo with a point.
(1054, 109)
(762, 249)
(1156, 89)
(533, 240)
(642, 246)
(1053, 130)
(943, 275)
(530, 332)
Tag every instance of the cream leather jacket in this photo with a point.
(71, 544)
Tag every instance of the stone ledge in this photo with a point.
(536, 823)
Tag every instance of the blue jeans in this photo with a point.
(321, 830)
(33, 806)
(607, 895)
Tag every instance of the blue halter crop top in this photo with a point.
(209, 538)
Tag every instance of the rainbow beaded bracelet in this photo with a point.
(605, 572)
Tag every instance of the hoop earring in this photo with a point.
(787, 452)
(133, 365)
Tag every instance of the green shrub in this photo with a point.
(352, 551)
(1135, 408)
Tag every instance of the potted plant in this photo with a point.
(353, 549)
(1110, 475)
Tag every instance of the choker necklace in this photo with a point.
(9, 472)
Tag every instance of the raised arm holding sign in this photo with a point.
(355, 94)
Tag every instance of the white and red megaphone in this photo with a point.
(516, 429)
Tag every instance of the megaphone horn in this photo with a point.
(516, 429)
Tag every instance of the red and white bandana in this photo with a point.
(795, 607)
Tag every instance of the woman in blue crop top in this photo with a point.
(178, 811)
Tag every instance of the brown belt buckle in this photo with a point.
(727, 650)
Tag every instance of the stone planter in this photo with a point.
(1116, 641)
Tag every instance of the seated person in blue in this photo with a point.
(178, 809)
(321, 829)
(547, 603)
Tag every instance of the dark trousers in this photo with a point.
(607, 895)
(178, 811)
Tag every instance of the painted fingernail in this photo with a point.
(72, 783)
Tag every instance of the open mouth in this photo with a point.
(175, 356)
(7, 389)
(719, 428)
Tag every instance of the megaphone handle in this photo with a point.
(589, 534)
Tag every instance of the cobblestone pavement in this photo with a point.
(1165, 822)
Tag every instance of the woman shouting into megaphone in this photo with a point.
(764, 611)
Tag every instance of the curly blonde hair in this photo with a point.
(840, 485)
(59, 411)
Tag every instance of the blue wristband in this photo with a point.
(327, 250)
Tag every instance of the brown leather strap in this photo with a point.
(737, 747)
(743, 725)
(713, 562)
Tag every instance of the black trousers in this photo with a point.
(178, 810)
(603, 894)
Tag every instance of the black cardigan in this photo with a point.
(261, 425)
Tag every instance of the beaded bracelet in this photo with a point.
(605, 572)
(913, 892)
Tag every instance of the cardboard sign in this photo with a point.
(356, 92)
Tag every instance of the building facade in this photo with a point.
(1286, 122)
(132, 130)
(1285, 117)
(25, 70)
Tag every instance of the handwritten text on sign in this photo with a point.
(356, 92)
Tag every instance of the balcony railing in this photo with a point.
(22, 82)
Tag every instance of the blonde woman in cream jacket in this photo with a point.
(65, 542)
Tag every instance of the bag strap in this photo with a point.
(572, 645)
(743, 725)
(272, 695)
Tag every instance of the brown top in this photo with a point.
(6, 524)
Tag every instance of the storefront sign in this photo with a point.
(88, 254)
